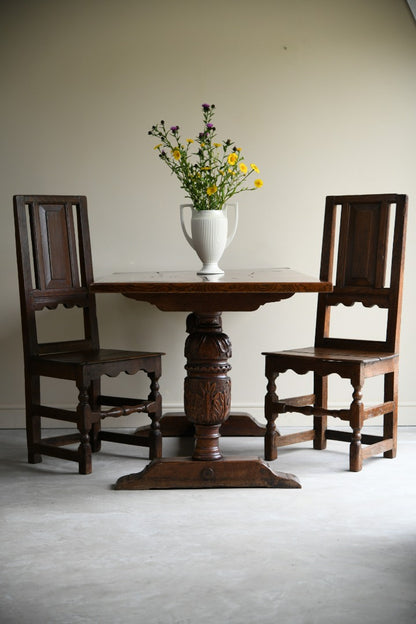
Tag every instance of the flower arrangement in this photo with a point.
(210, 172)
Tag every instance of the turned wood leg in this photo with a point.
(94, 392)
(33, 425)
(321, 400)
(390, 420)
(155, 435)
(356, 422)
(270, 444)
(84, 427)
(207, 389)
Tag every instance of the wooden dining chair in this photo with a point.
(364, 274)
(55, 268)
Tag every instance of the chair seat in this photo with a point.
(90, 363)
(349, 356)
(101, 356)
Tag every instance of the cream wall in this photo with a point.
(321, 94)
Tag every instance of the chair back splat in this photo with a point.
(46, 236)
(361, 268)
(363, 255)
(55, 268)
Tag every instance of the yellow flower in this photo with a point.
(205, 168)
(202, 144)
(189, 140)
(243, 168)
(157, 146)
(211, 190)
(217, 144)
(232, 158)
(238, 149)
(258, 183)
(231, 171)
(255, 168)
(176, 154)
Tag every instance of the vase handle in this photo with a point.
(182, 208)
(232, 233)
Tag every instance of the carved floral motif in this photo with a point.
(207, 402)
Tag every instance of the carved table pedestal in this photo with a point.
(207, 388)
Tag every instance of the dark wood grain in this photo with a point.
(361, 270)
(238, 290)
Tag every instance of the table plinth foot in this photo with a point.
(184, 472)
(175, 424)
(242, 424)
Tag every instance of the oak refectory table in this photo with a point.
(207, 388)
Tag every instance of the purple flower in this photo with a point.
(174, 128)
(210, 126)
(206, 106)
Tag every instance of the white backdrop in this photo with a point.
(320, 94)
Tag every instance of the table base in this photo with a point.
(185, 472)
(175, 424)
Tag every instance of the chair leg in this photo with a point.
(356, 422)
(33, 425)
(270, 445)
(95, 437)
(320, 423)
(155, 437)
(390, 420)
(94, 392)
(84, 427)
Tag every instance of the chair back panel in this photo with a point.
(362, 241)
(55, 249)
(362, 263)
(54, 265)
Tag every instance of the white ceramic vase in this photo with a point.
(210, 235)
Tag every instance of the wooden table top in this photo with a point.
(244, 289)
(244, 280)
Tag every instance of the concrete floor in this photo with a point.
(341, 550)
